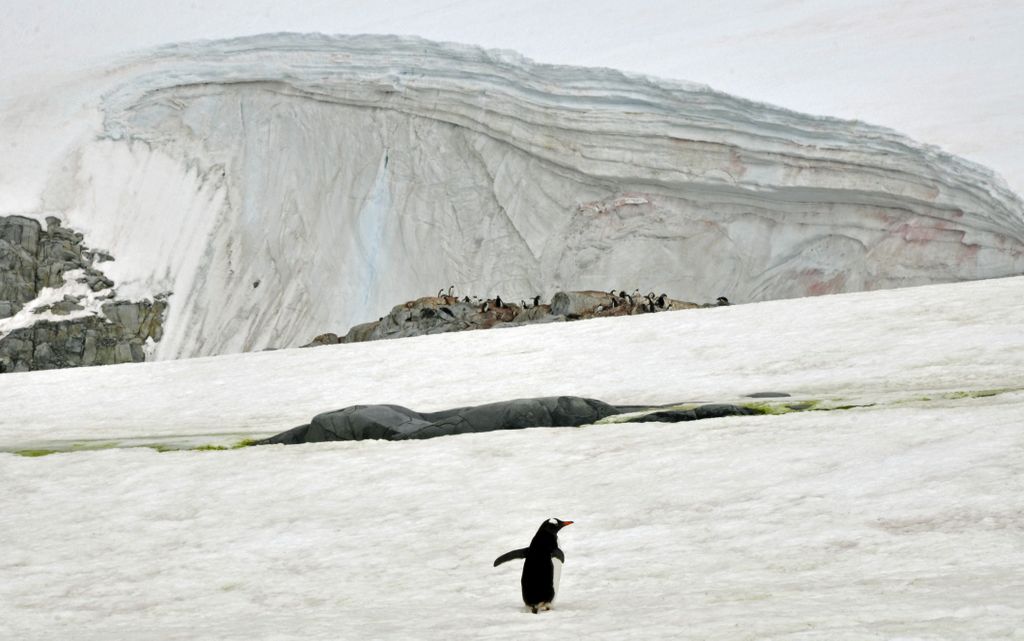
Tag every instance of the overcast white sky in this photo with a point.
(942, 71)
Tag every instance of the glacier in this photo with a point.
(281, 185)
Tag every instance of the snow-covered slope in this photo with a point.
(284, 185)
(867, 347)
(898, 520)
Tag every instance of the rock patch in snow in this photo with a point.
(446, 313)
(396, 423)
(57, 309)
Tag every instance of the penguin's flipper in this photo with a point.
(557, 554)
(508, 556)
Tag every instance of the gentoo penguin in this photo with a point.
(543, 565)
(722, 301)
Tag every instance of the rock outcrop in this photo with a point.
(32, 258)
(58, 309)
(442, 314)
(396, 423)
(119, 336)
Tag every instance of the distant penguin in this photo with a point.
(543, 565)
(536, 301)
(497, 302)
(661, 301)
(440, 292)
(722, 301)
(450, 289)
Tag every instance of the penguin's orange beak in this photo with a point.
(564, 523)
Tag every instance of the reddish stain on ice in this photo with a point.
(736, 167)
(914, 234)
(830, 286)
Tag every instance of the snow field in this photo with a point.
(900, 520)
(894, 523)
(866, 347)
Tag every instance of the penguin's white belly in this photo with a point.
(556, 573)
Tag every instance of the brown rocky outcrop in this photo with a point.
(445, 313)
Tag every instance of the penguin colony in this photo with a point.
(542, 567)
(448, 312)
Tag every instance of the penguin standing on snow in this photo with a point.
(542, 567)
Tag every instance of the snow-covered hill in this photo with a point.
(279, 186)
(896, 520)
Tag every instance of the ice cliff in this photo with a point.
(282, 185)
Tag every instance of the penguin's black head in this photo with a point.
(553, 525)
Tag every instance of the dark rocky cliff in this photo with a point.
(100, 328)
(442, 314)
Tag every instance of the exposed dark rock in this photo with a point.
(768, 395)
(395, 423)
(441, 314)
(718, 410)
(293, 436)
(324, 339)
(666, 416)
(714, 410)
(90, 340)
(19, 248)
(578, 303)
(32, 258)
(61, 308)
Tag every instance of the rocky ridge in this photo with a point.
(449, 313)
(397, 423)
(58, 309)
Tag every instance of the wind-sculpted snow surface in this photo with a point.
(284, 185)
